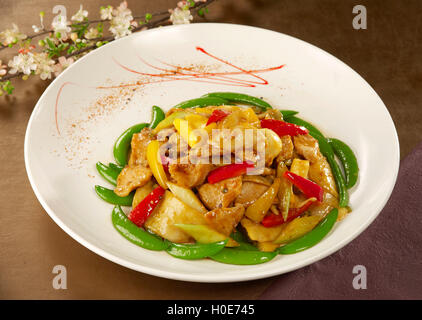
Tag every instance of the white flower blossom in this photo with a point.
(45, 65)
(13, 35)
(92, 33)
(39, 28)
(36, 28)
(123, 11)
(3, 70)
(180, 16)
(24, 63)
(80, 15)
(121, 21)
(183, 4)
(120, 27)
(61, 25)
(106, 13)
(62, 64)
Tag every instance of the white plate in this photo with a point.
(60, 157)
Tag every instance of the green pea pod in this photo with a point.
(115, 166)
(288, 113)
(122, 144)
(348, 160)
(303, 123)
(157, 116)
(243, 244)
(328, 152)
(241, 98)
(134, 234)
(110, 197)
(108, 173)
(195, 251)
(313, 237)
(242, 257)
(202, 102)
(238, 236)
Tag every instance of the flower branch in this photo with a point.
(67, 41)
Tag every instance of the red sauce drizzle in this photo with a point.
(177, 73)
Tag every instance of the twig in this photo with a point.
(155, 14)
(148, 25)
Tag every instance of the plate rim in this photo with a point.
(207, 277)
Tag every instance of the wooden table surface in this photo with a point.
(387, 55)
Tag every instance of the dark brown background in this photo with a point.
(387, 54)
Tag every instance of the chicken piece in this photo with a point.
(321, 209)
(220, 194)
(130, 178)
(319, 169)
(224, 220)
(250, 192)
(307, 146)
(286, 149)
(267, 181)
(320, 173)
(172, 211)
(257, 232)
(268, 172)
(189, 175)
(139, 143)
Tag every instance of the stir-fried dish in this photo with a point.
(228, 177)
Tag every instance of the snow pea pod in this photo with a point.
(115, 166)
(348, 160)
(157, 116)
(107, 172)
(243, 244)
(109, 196)
(328, 152)
(195, 251)
(243, 257)
(303, 123)
(202, 102)
(136, 235)
(288, 113)
(313, 237)
(122, 144)
(241, 98)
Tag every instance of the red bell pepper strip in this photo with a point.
(273, 220)
(283, 128)
(217, 115)
(144, 209)
(229, 171)
(309, 188)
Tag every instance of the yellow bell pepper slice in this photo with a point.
(186, 127)
(250, 116)
(154, 162)
(300, 167)
(168, 121)
(196, 121)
